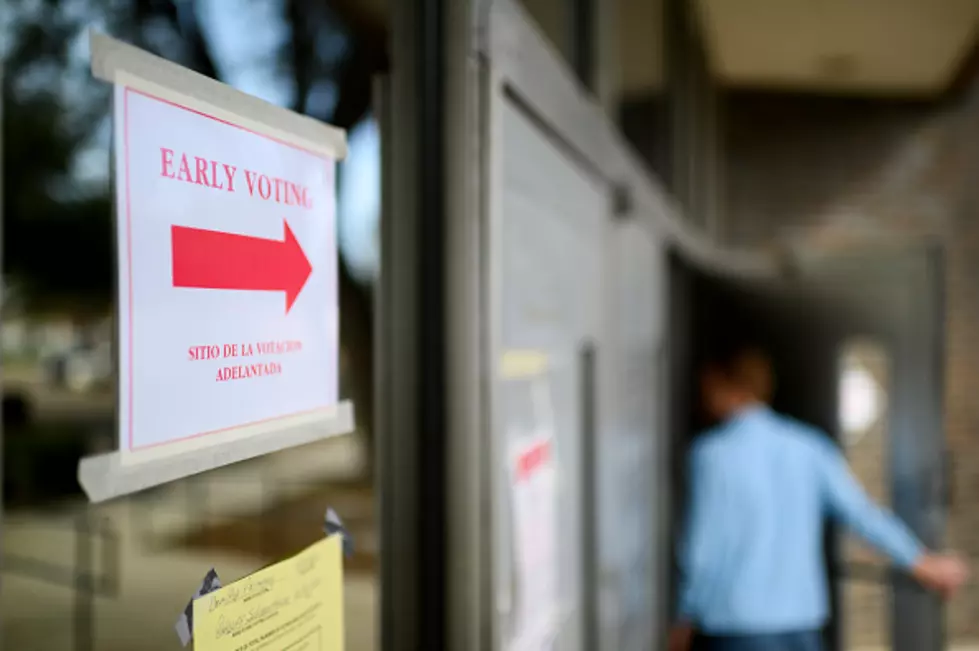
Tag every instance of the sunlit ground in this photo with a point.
(169, 538)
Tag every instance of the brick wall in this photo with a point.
(828, 167)
(866, 602)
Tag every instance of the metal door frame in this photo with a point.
(522, 65)
(907, 279)
(523, 70)
(429, 396)
(438, 188)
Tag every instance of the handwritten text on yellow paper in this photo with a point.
(294, 605)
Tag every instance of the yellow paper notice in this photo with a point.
(294, 605)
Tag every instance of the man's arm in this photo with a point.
(847, 502)
(697, 548)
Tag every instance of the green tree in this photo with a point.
(56, 241)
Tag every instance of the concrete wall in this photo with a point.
(832, 169)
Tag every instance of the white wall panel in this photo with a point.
(629, 459)
(553, 221)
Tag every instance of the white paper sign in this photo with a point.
(228, 314)
(535, 519)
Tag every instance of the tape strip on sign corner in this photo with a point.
(126, 65)
(333, 525)
(185, 623)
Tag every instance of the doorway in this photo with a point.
(869, 323)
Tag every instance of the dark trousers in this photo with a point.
(801, 641)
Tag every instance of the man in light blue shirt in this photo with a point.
(761, 486)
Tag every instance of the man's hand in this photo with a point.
(681, 637)
(941, 573)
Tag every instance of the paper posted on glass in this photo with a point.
(294, 605)
(534, 495)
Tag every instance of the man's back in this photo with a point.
(761, 487)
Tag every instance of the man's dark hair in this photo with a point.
(745, 363)
(723, 354)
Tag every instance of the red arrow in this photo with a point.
(215, 260)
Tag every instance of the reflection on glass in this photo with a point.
(359, 201)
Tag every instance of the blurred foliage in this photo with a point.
(53, 242)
